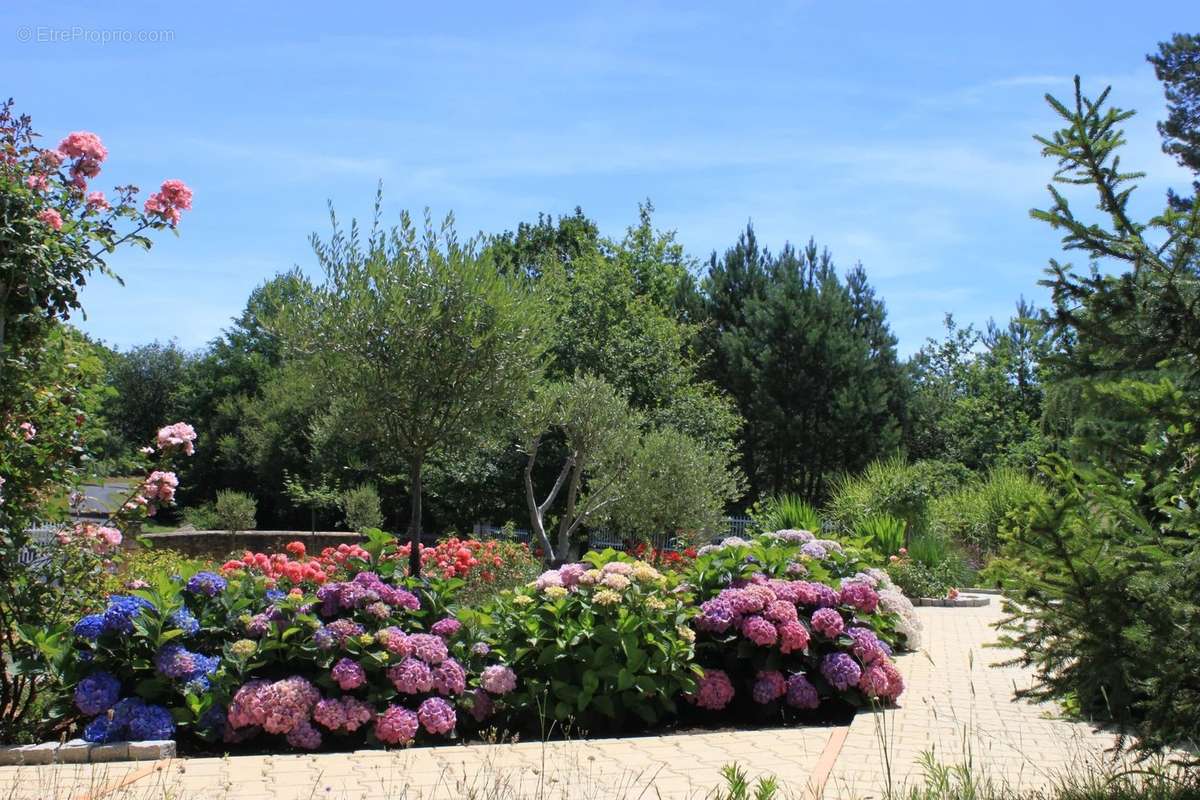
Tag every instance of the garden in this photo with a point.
(617, 407)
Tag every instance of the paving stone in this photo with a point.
(117, 751)
(75, 751)
(152, 750)
(38, 754)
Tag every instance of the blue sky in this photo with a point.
(897, 134)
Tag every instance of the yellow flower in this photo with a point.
(654, 604)
(522, 600)
(686, 633)
(644, 573)
(555, 592)
(607, 597)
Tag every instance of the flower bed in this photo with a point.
(340, 648)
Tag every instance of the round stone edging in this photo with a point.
(77, 751)
(964, 600)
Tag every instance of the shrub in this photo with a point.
(791, 644)
(596, 642)
(202, 517)
(895, 487)
(361, 505)
(235, 511)
(976, 515)
(791, 555)
(785, 512)
(274, 645)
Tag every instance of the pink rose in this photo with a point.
(52, 218)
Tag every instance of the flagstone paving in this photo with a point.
(957, 705)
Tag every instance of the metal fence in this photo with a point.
(40, 536)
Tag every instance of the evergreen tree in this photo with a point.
(809, 360)
(1177, 65)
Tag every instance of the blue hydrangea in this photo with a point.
(209, 584)
(185, 621)
(213, 721)
(275, 595)
(124, 710)
(122, 608)
(151, 722)
(198, 685)
(97, 693)
(90, 627)
(101, 730)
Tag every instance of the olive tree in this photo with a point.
(421, 343)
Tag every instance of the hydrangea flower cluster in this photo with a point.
(97, 693)
(788, 616)
(179, 436)
(131, 718)
(206, 584)
(364, 591)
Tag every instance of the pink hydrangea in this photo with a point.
(793, 637)
(248, 707)
(396, 725)
(437, 716)
(881, 680)
(51, 218)
(429, 648)
(289, 702)
(348, 674)
(828, 622)
(801, 693)
(498, 679)
(860, 596)
(867, 646)
(548, 579)
(411, 676)
(395, 641)
(180, 435)
(759, 630)
(343, 714)
(714, 690)
(617, 568)
(780, 612)
(173, 198)
(770, 685)
(449, 678)
(446, 628)
(571, 573)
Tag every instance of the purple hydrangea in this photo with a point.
(436, 715)
(348, 674)
(97, 693)
(209, 584)
(769, 686)
(482, 705)
(867, 646)
(396, 725)
(714, 690)
(860, 596)
(814, 550)
(449, 678)
(841, 671)
(411, 676)
(716, 616)
(801, 693)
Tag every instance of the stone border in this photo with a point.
(964, 600)
(77, 751)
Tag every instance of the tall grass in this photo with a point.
(786, 512)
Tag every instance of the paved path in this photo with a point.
(956, 705)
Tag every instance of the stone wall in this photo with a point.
(216, 545)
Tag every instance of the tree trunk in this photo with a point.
(414, 527)
(563, 553)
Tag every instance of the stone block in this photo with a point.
(152, 750)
